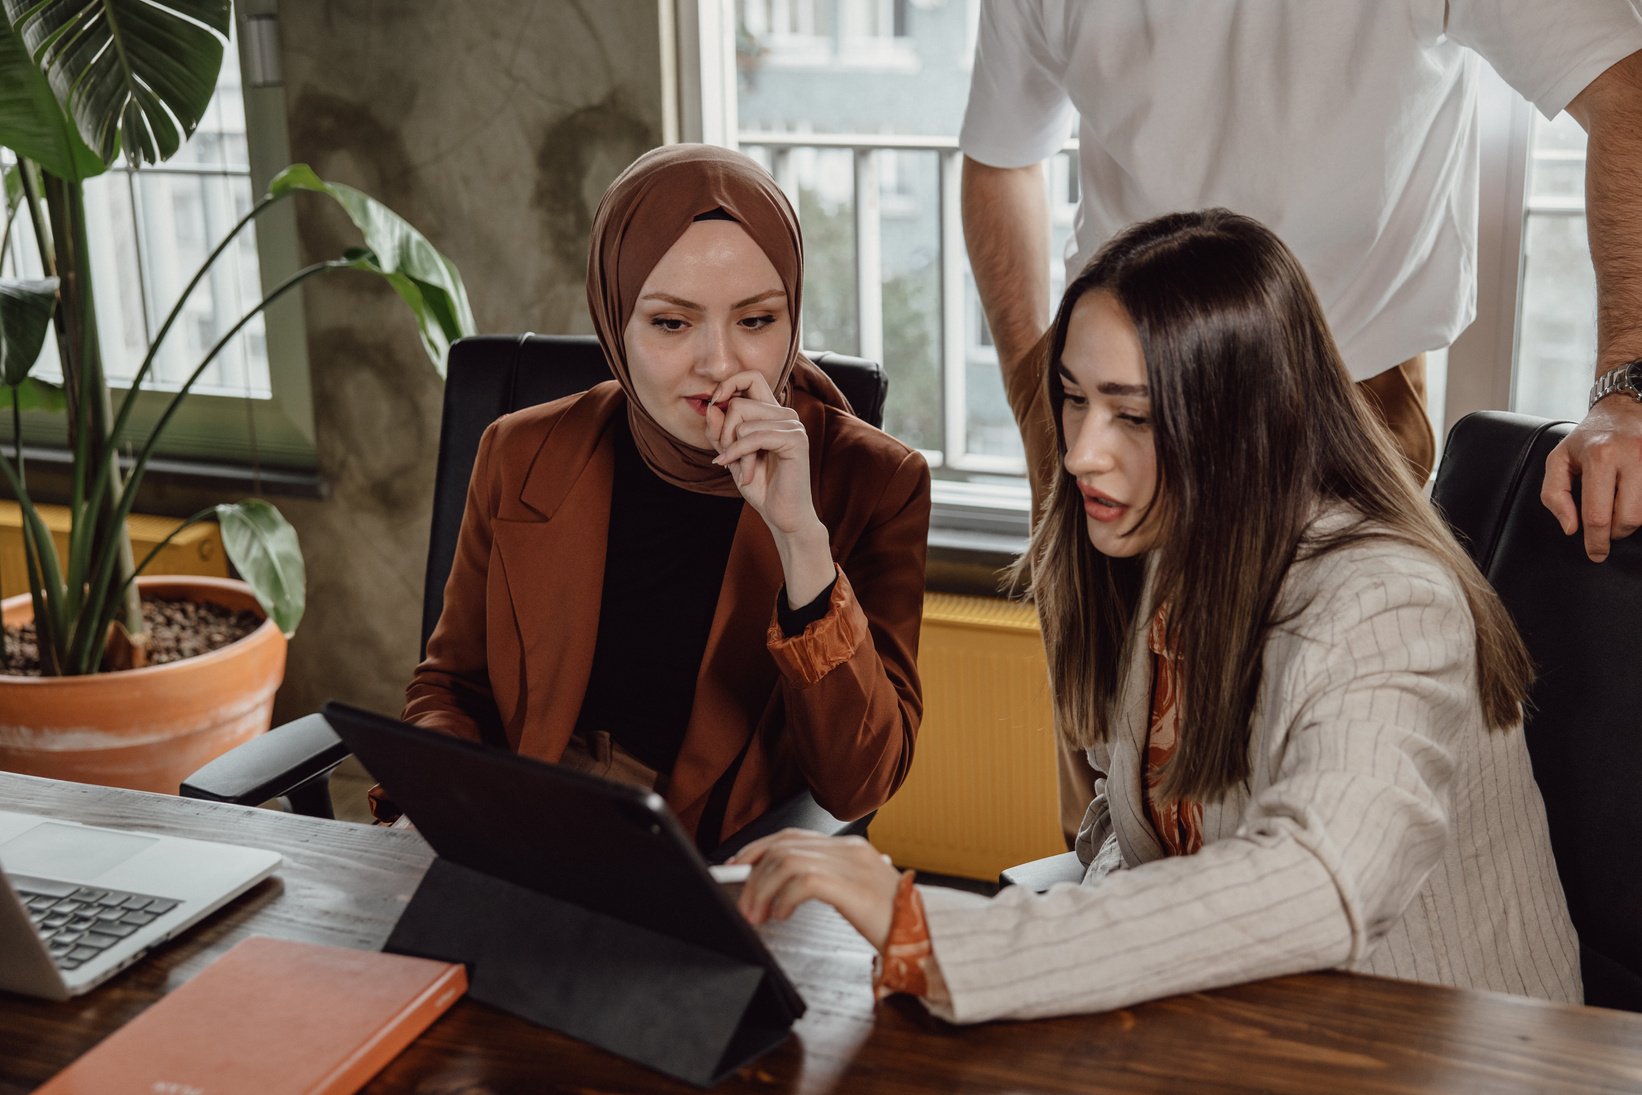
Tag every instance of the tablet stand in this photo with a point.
(677, 1007)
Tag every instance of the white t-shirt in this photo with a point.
(1346, 126)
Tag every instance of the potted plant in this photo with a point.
(83, 82)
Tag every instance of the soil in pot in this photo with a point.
(177, 629)
(149, 728)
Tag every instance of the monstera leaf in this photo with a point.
(32, 124)
(426, 280)
(136, 74)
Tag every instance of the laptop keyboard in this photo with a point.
(79, 922)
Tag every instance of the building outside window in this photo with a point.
(866, 143)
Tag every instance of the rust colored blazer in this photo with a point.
(835, 709)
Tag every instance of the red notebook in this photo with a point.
(272, 1017)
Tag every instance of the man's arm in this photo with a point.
(1605, 449)
(1006, 229)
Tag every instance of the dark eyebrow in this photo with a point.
(1122, 391)
(682, 303)
(766, 295)
(671, 299)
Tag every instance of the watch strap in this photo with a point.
(1625, 378)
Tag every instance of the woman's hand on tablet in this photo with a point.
(795, 866)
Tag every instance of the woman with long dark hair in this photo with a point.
(1305, 699)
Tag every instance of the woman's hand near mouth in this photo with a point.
(767, 452)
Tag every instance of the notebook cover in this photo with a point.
(272, 1017)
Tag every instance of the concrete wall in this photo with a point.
(493, 126)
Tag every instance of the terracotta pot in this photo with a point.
(144, 728)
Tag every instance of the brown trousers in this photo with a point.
(1398, 394)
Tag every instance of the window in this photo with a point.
(871, 162)
(150, 230)
(854, 34)
(865, 144)
(1532, 347)
(1556, 319)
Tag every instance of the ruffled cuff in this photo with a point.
(824, 644)
(382, 807)
(907, 959)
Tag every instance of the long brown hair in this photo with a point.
(1256, 424)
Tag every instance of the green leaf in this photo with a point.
(34, 395)
(32, 124)
(127, 71)
(262, 546)
(25, 318)
(426, 280)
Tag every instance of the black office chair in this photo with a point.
(488, 377)
(1582, 622)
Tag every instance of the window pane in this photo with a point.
(820, 184)
(122, 321)
(911, 242)
(882, 68)
(991, 430)
(150, 230)
(1556, 332)
(195, 212)
(832, 91)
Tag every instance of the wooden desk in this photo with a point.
(345, 884)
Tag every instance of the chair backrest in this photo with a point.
(1582, 622)
(491, 375)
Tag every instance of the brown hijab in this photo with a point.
(640, 217)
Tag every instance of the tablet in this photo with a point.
(594, 848)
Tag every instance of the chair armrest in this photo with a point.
(1040, 874)
(276, 763)
(801, 811)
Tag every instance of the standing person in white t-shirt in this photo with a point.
(1350, 129)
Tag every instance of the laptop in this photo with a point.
(79, 903)
(577, 902)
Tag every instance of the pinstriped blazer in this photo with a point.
(1384, 828)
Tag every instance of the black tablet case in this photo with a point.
(576, 903)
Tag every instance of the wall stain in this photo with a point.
(369, 389)
(331, 132)
(577, 157)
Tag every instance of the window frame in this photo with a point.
(1482, 360)
(221, 429)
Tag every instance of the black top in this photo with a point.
(663, 568)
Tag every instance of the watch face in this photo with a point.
(1631, 379)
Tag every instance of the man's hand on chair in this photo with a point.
(1605, 452)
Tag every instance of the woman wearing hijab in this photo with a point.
(704, 576)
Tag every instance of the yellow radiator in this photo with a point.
(197, 550)
(981, 795)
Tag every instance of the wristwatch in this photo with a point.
(1625, 378)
